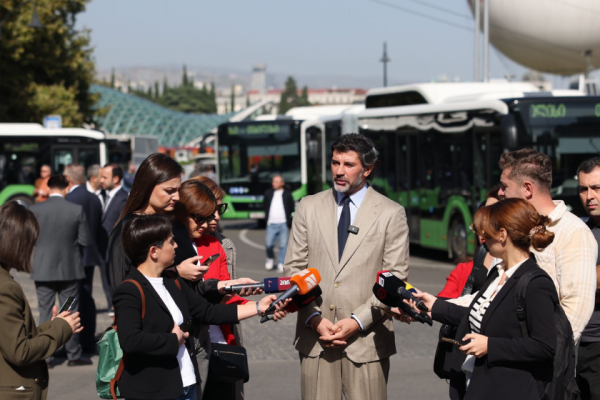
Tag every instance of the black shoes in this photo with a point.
(79, 362)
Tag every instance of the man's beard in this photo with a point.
(350, 187)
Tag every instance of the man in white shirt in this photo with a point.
(571, 258)
(279, 207)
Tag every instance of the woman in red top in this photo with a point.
(457, 279)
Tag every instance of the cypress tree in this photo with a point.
(232, 97)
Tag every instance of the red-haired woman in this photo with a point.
(498, 362)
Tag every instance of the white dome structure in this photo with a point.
(546, 35)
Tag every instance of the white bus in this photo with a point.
(25, 147)
(440, 144)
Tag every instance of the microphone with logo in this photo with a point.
(298, 301)
(269, 285)
(388, 291)
(302, 283)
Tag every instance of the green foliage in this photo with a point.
(185, 98)
(232, 97)
(48, 70)
(289, 96)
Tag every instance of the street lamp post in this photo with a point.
(385, 60)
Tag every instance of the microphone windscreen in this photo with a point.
(306, 280)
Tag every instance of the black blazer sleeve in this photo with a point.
(133, 339)
(448, 313)
(214, 314)
(117, 261)
(289, 206)
(540, 301)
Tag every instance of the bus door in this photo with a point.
(315, 157)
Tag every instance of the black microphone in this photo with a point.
(298, 301)
(269, 285)
(392, 283)
(392, 299)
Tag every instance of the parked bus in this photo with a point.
(440, 144)
(25, 147)
(295, 146)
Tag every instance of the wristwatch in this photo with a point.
(260, 313)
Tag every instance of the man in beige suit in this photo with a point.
(349, 234)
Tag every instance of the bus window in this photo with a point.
(62, 157)
(88, 156)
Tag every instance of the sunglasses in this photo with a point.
(221, 208)
(200, 220)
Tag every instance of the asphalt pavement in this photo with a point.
(274, 364)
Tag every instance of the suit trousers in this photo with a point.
(46, 293)
(588, 370)
(327, 376)
(87, 307)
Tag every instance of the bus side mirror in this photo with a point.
(508, 126)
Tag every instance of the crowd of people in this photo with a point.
(165, 266)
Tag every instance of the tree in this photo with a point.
(112, 78)
(232, 97)
(289, 96)
(53, 63)
(184, 79)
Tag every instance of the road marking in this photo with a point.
(244, 238)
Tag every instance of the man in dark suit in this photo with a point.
(279, 207)
(115, 196)
(57, 258)
(78, 194)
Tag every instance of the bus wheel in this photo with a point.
(23, 200)
(457, 236)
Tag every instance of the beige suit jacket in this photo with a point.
(347, 284)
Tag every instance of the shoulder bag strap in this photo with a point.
(520, 291)
(480, 254)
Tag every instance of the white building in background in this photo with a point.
(258, 81)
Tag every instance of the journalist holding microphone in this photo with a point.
(498, 361)
(349, 234)
(158, 364)
(23, 346)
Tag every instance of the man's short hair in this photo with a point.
(116, 171)
(142, 232)
(588, 166)
(59, 182)
(528, 164)
(93, 170)
(76, 173)
(361, 144)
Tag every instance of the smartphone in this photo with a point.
(455, 342)
(68, 305)
(186, 326)
(211, 259)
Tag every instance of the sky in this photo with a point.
(308, 37)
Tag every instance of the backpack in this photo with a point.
(442, 359)
(563, 385)
(111, 359)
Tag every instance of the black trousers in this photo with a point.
(588, 370)
(87, 307)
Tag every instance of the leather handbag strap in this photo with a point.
(115, 380)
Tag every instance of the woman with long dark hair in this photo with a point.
(23, 346)
(155, 190)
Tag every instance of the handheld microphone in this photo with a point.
(302, 283)
(269, 285)
(392, 283)
(392, 299)
(298, 301)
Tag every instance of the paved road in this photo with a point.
(274, 365)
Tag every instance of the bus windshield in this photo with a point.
(566, 129)
(251, 153)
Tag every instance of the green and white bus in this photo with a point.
(25, 147)
(440, 144)
(295, 146)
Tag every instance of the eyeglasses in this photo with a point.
(221, 208)
(200, 220)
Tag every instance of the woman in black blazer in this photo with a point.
(498, 363)
(156, 363)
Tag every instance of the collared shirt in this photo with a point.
(55, 195)
(570, 260)
(96, 192)
(109, 196)
(73, 188)
(355, 202)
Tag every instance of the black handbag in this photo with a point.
(441, 361)
(228, 363)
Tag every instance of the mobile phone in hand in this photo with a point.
(186, 326)
(68, 305)
(455, 342)
(211, 259)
